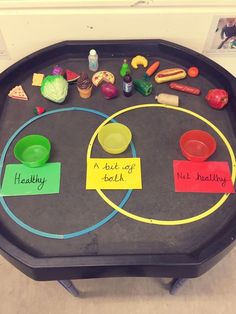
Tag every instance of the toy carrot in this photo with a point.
(152, 68)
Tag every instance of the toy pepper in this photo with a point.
(217, 98)
(143, 86)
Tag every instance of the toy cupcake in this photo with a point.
(84, 85)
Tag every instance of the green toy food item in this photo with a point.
(143, 86)
(54, 88)
(124, 69)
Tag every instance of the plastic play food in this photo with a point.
(185, 88)
(197, 145)
(33, 150)
(109, 91)
(127, 85)
(168, 99)
(143, 86)
(57, 70)
(84, 85)
(139, 60)
(153, 68)
(39, 110)
(217, 98)
(71, 76)
(172, 74)
(114, 138)
(124, 69)
(193, 72)
(101, 76)
(93, 60)
(18, 93)
(54, 88)
(37, 79)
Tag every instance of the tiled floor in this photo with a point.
(212, 293)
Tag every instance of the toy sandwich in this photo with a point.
(170, 75)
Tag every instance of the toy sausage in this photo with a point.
(185, 88)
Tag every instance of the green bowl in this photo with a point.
(33, 150)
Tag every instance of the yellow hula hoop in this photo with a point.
(156, 221)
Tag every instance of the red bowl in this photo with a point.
(197, 145)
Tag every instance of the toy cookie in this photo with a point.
(170, 75)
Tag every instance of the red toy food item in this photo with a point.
(185, 88)
(217, 98)
(109, 91)
(71, 76)
(39, 110)
(152, 68)
(193, 72)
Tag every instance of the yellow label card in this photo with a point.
(113, 174)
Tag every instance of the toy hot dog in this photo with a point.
(170, 75)
(185, 88)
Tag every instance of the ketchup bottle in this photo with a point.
(127, 85)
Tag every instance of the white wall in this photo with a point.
(33, 25)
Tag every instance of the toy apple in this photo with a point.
(109, 91)
(217, 98)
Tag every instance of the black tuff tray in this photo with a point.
(122, 246)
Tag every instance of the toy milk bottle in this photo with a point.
(93, 60)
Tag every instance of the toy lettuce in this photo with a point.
(54, 88)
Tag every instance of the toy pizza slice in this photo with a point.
(108, 77)
(101, 76)
(170, 75)
(18, 93)
(71, 76)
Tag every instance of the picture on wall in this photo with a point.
(222, 36)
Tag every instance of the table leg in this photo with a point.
(176, 284)
(68, 285)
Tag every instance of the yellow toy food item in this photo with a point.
(172, 74)
(37, 79)
(139, 60)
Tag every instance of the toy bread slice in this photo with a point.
(18, 93)
(37, 79)
(170, 75)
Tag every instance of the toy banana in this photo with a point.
(139, 60)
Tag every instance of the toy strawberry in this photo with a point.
(39, 110)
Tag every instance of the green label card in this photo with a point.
(21, 180)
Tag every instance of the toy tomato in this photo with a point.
(217, 98)
(193, 72)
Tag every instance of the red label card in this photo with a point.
(206, 177)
